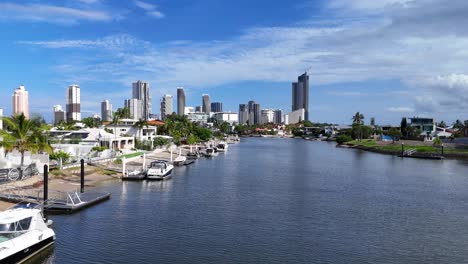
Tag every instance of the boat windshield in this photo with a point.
(11, 230)
(157, 165)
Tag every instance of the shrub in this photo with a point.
(343, 139)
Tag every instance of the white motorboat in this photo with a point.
(222, 147)
(159, 170)
(211, 152)
(23, 234)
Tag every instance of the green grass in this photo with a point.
(131, 155)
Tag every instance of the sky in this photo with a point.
(385, 58)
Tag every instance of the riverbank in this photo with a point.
(422, 149)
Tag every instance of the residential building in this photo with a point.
(427, 126)
(465, 128)
(267, 116)
(198, 117)
(300, 94)
(73, 103)
(198, 109)
(59, 114)
(141, 91)
(21, 101)
(189, 109)
(206, 104)
(278, 116)
(106, 111)
(294, 117)
(134, 106)
(216, 107)
(231, 118)
(154, 116)
(243, 114)
(180, 101)
(166, 106)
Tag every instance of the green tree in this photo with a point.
(204, 134)
(91, 122)
(192, 139)
(458, 124)
(394, 133)
(159, 142)
(307, 123)
(60, 155)
(442, 124)
(404, 127)
(224, 127)
(343, 139)
(23, 136)
(358, 121)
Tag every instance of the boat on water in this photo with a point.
(222, 147)
(159, 170)
(24, 233)
(211, 152)
(179, 160)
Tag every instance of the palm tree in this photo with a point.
(23, 135)
(358, 120)
(140, 124)
(458, 124)
(442, 124)
(119, 114)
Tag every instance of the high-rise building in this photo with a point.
(300, 94)
(257, 114)
(278, 116)
(216, 107)
(198, 109)
(59, 114)
(180, 101)
(134, 107)
(166, 106)
(243, 114)
(267, 116)
(106, 111)
(189, 109)
(141, 91)
(20, 101)
(206, 104)
(73, 103)
(250, 119)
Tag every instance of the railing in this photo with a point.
(409, 152)
(15, 174)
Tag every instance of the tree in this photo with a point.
(204, 134)
(307, 123)
(442, 124)
(343, 139)
(394, 133)
(404, 127)
(23, 136)
(140, 124)
(60, 155)
(224, 127)
(358, 121)
(91, 122)
(458, 124)
(192, 139)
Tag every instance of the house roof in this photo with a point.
(156, 123)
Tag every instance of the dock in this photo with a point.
(74, 202)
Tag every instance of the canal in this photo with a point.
(279, 201)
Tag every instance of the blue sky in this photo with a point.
(386, 59)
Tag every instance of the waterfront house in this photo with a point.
(427, 126)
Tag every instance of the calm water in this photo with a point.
(279, 201)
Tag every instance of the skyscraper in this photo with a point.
(180, 101)
(198, 109)
(141, 91)
(257, 114)
(250, 119)
(73, 103)
(216, 107)
(206, 103)
(106, 111)
(278, 116)
(267, 116)
(166, 106)
(300, 94)
(59, 114)
(134, 106)
(20, 101)
(243, 114)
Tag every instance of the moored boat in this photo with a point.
(159, 170)
(24, 233)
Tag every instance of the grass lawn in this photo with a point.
(131, 155)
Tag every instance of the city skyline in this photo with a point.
(109, 46)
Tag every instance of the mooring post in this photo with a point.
(82, 176)
(442, 149)
(46, 183)
(402, 149)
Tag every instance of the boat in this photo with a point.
(193, 155)
(24, 233)
(222, 147)
(179, 160)
(159, 170)
(211, 152)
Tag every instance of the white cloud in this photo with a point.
(401, 109)
(50, 13)
(150, 9)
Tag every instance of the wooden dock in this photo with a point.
(75, 202)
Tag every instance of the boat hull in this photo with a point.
(160, 177)
(29, 252)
